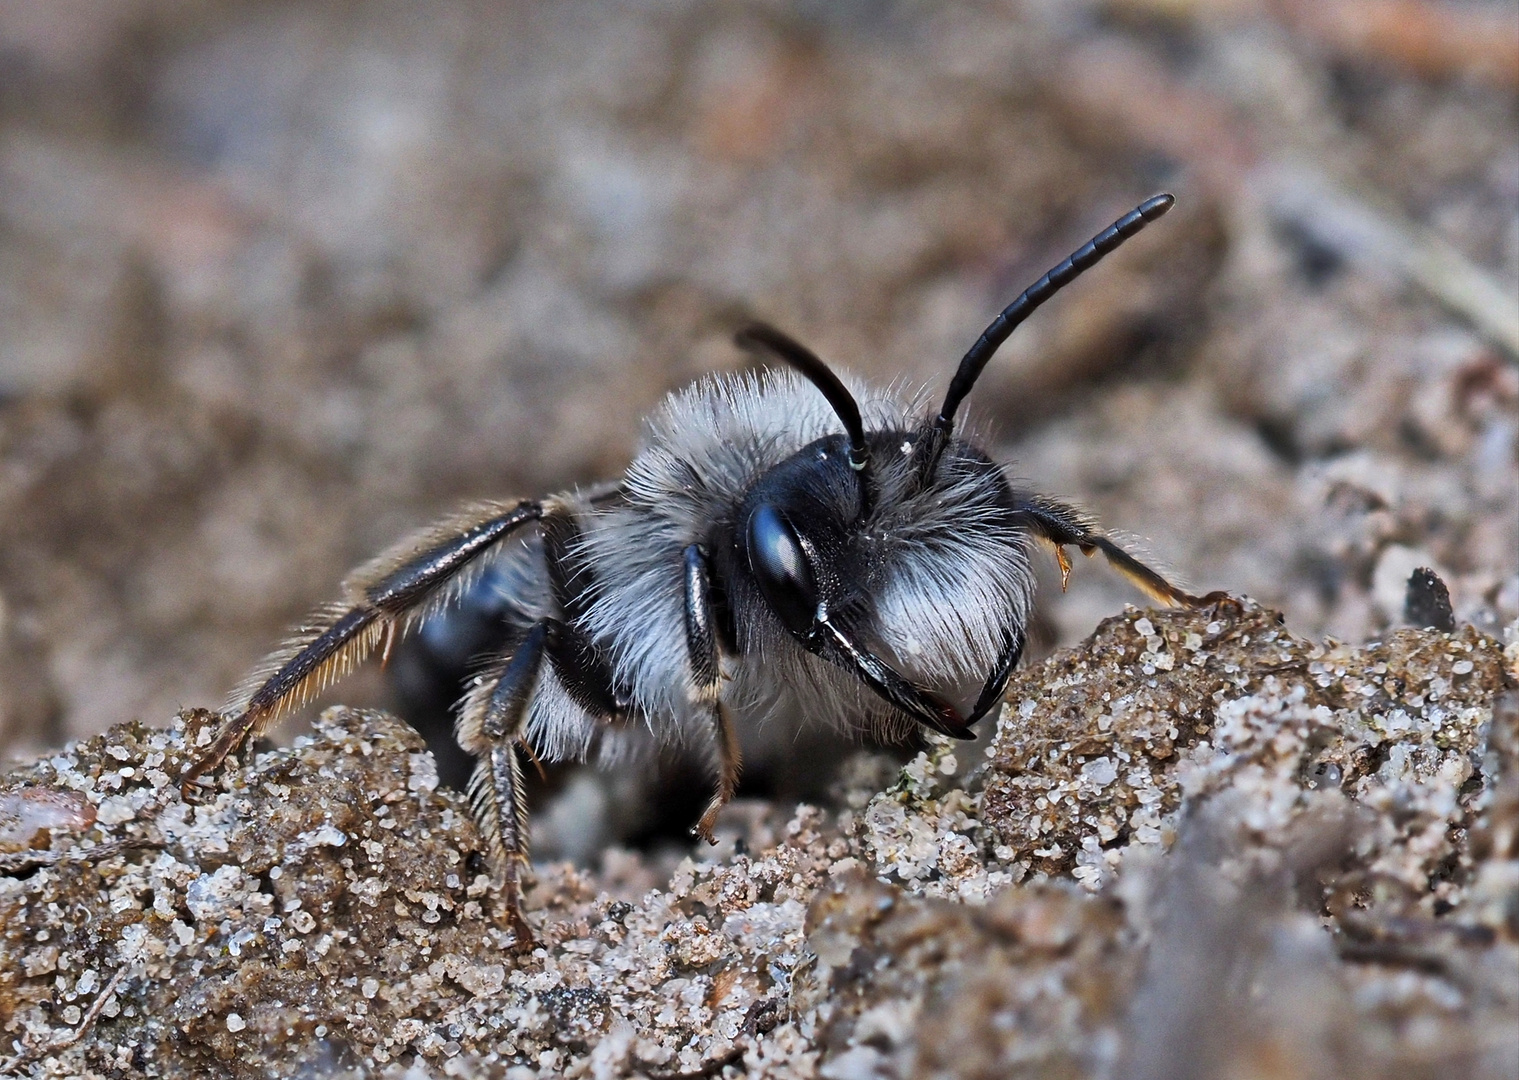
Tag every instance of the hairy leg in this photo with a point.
(491, 721)
(493, 726)
(494, 713)
(382, 599)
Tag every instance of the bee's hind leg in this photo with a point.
(382, 599)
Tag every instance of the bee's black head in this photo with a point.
(850, 571)
(899, 555)
(797, 534)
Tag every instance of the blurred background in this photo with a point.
(280, 281)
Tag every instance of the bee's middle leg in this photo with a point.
(493, 724)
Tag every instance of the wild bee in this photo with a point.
(754, 561)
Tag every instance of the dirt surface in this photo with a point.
(1259, 856)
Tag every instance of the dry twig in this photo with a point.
(13, 1065)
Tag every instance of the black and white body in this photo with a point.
(782, 545)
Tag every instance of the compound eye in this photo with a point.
(780, 564)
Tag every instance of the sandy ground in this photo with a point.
(1198, 846)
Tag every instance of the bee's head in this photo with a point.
(898, 555)
(798, 533)
(919, 590)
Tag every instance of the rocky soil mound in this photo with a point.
(1197, 845)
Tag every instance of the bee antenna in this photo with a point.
(1082, 259)
(763, 338)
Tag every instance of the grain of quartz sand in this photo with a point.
(1197, 846)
